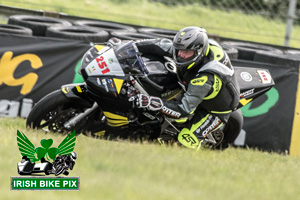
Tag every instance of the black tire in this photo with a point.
(231, 51)
(59, 170)
(48, 169)
(66, 173)
(15, 29)
(52, 111)
(232, 128)
(22, 173)
(106, 26)
(123, 35)
(247, 51)
(84, 33)
(280, 59)
(38, 24)
(292, 52)
(159, 33)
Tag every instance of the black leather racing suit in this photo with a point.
(211, 91)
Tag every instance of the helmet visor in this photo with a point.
(185, 56)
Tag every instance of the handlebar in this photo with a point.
(146, 71)
(152, 83)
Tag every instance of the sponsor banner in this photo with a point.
(32, 67)
(45, 183)
(269, 119)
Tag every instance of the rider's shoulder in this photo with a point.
(213, 43)
(216, 51)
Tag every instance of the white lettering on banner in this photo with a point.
(11, 108)
(26, 184)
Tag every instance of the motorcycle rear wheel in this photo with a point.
(52, 111)
(232, 128)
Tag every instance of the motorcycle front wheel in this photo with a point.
(55, 109)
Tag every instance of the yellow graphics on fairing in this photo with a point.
(100, 133)
(99, 47)
(65, 90)
(118, 83)
(79, 89)
(115, 120)
(245, 101)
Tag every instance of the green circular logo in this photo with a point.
(272, 99)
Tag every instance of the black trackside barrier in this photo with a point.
(269, 119)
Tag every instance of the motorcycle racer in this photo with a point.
(63, 163)
(206, 75)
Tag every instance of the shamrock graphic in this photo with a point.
(45, 150)
(35, 154)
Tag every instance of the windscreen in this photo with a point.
(113, 61)
(130, 59)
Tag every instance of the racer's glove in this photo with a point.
(142, 101)
(149, 102)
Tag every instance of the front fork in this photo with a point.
(74, 120)
(78, 92)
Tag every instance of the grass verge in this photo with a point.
(125, 170)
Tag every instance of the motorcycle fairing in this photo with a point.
(253, 83)
(105, 64)
(112, 61)
(73, 91)
(115, 119)
(253, 78)
(105, 85)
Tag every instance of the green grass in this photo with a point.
(226, 24)
(124, 170)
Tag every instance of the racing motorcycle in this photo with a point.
(104, 105)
